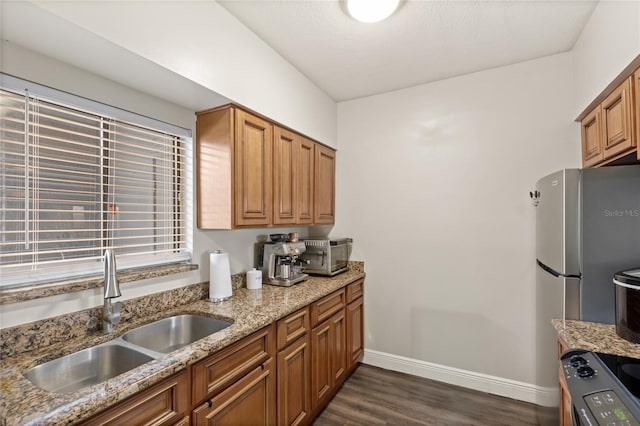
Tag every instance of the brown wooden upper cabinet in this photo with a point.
(611, 124)
(592, 152)
(324, 209)
(293, 168)
(617, 121)
(252, 172)
(636, 80)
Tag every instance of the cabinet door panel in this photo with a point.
(249, 401)
(294, 404)
(617, 121)
(339, 352)
(253, 177)
(304, 175)
(355, 331)
(285, 144)
(324, 185)
(592, 151)
(321, 374)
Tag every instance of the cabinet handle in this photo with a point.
(209, 403)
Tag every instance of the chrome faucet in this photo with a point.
(110, 313)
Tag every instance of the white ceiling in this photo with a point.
(423, 41)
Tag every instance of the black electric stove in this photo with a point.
(605, 389)
(626, 370)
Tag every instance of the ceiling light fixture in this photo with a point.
(370, 11)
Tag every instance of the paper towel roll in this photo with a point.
(254, 279)
(219, 276)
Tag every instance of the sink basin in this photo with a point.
(167, 335)
(85, 368)
(102, 362)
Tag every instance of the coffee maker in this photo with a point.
(279, 261)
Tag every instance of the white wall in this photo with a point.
(204, 43)
(434, 187)
(607, 44)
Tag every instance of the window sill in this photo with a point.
(22, 294)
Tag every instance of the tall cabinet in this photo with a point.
(253, 172)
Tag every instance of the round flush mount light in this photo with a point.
(370, 11)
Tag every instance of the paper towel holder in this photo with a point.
(220, 288)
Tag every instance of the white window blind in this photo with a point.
(74, 182)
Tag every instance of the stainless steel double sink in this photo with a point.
(102, 362)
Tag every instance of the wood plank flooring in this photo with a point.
(373, 396)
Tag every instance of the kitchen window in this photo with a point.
(77, 177)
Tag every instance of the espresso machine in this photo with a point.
(280, 263)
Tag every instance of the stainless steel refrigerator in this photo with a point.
(587, 229)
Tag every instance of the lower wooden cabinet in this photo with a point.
(165, 403)
(294, 374)
(565, 396)
(185, 421)
(249, 401)
(328, 359)
(338, 348)
(294, 397)
(355, 332)
(283, 374)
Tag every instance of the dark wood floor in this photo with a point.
(373, 396)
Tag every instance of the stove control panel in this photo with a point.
(598, 397)
(608, 409)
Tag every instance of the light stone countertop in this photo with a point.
(595, 337)
(22, 403)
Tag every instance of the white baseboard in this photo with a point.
(482, 382)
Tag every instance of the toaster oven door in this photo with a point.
(317, 259)
(339, 257)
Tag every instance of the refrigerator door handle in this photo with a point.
(554, 272)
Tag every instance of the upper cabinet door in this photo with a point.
(617, 121)
(636, 79)
(253, 170)
(325, 184)
(285, 144)
(304, 181)
(592, 152)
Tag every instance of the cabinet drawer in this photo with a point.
(355, 290)
(162, 404)
(327, 306)
(292, 327)
(220, 370)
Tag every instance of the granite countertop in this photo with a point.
(596, 337)
(23, 403)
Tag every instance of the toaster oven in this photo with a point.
(326, 256)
